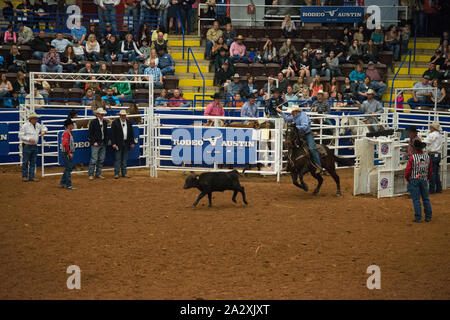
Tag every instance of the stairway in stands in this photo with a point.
(425, 48)
(191, 83)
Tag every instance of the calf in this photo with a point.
(209, 182)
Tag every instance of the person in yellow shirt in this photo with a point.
(212, 36)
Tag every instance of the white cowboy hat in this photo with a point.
(100, 111)
(320, 92)
(370, 91)
(236, 75)
(33, 115)
(294, 108)
(436, 126)
(123, 112)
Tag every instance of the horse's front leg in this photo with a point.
(319, 179)
(294, 177)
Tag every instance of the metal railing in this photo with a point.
(189, 50)
(408, 54)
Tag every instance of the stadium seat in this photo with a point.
(320, 32)
(26, 51)
(257, 69)
(260, 81)
(272, 68)
(75, 94)
(386, 57)
(119, 67)
(241, 68)
(274, 32)
(34, 65)
(259, 33)
(140, 94)
(171, 82)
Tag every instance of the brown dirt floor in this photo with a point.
(140, 238)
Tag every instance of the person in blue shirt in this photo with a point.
(166, 63)
(303, 124)
(110, 99)
(250, 108)
(78, 32)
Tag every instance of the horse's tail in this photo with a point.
(344, 162)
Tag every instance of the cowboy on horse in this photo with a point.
(303, 124)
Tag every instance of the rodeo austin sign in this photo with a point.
(206, 145)
(4, 143)
(317, 14)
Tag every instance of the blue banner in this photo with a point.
(317, 14)
(82, 153)
(4, 143)
(209, 145)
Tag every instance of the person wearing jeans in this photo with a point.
(107, 13)
(51, 62)
(132, 14)
(417, 173)
(68, 149)
(98, 138)
(29, 135)
(434, 148)
(122, 141)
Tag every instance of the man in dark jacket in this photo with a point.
(319, 65)
(98, 138)
(112, 50)
(40, 45)
(122, 140)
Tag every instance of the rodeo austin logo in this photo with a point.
(384, 149)
(206, 145)
(384, 183)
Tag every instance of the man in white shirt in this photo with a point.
(122, 140)
(29, 137)
(434, 148)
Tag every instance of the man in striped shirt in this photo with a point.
(418, 172)
(156, 73)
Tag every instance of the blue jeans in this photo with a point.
(169, 70)
(119, 57)
(435, 182)
(312, 148)
(419, 188)
(38, 55)
(109, 15)
(121, 157)
(66, 180)
(395, 48)
(208, 48)
(97, 159)
(130, 56)
(58, 68)
(132, 17)
(163, 18)
(379, 89)
(421, 101)
(29, 156)
(94, 56)
(188, 19)
(322, 73)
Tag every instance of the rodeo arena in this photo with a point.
(328, 120)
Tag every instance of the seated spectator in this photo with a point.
(109, 31)
(212, 36)
(229, 35)
(68, 59)
(289, 66)
(333, 64)
(25, 35)
(160, 42)
(136, 80)
(221, 58)
(360, 36)
(78, 50)
(304, 64)
(143, 34)
(94, 85)
(315, 86)
(14, 60)
(224, 74)
(288, 28)
(348, 89)
(250, 108)
(110, 99)
(432, 73)
(238, 50)
(103, 69)
(378, 39)
(362, 89)
(311, 51)
(319, 65)
(161, 101)
(123, 33)
(438, 58)
(392, 39)
(300, 85)
(145, 49)
(88, 98)
(250, 87)
(214, 109)
(440, 94)
(290, 97)
(6, 89)
(60, 43)
(422, 93)
(20, 86)
(122, 90)
(78, 32)
(268, 87)
(40, 45)
(129, 49)
(92, 49)
(112, 50)
(178, 101)
(93, 30)
(376, 83)
(237, 101)
(38, 99)
(445, 69)
(166, 63)
(86, 69)
(10, 37)
(338, 50)
(332, 88)
(51, 62)
(157, 31)
(357, 76)
(269, 53)
(340, 102)
(156, 73)
(216, 48)
(321, 105)
(370, 52)
(286, 48)
(235, 86)
(355, 53)
(346, 37)
(282, 83)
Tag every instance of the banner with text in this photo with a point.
(317, 14)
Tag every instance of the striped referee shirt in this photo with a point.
(419, 167)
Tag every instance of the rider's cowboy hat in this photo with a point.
(370, 91)
(33, 115)
(436, 126)
(100, 111)
(240, 37)
(123, 112)
(294, 108)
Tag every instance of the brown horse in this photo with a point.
(299, 161)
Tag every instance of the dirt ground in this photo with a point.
(140, 238)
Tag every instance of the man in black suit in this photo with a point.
(122, 140)
(98, 138)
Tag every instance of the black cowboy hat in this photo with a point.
(68, 122)
(216, 96)
(419, 145)
(412, 129)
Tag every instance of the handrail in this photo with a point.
(182, 28)
(415, 40)
(395, 76)
(189, 50)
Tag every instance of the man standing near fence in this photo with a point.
(434, 148)
(107, 13)
(68, 149)
(98, 138)
(29, 136)
(122, 141)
